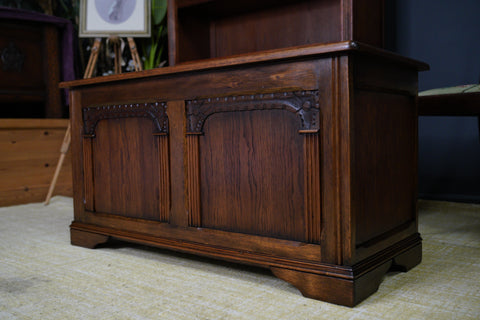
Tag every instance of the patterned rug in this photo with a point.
(43, 277)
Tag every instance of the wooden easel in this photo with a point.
(117, 49)
(92, 62)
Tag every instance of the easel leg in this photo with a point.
(92, 61)
(117, 49)
(63, 153)
(134, 52)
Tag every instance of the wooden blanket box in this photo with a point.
(301, 159)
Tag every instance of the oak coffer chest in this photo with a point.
(302, 161)
(294, 156)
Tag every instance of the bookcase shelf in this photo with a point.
(203, 29)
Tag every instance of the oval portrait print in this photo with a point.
(115, 11)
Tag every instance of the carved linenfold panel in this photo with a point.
(156, 111)
(303, 103)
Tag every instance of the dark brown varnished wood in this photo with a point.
(220, 28)
(30, 69)
(459, 104)
(312, 177)
(134, 190)
(242, 154)
(349, 292)
(300, 158)
(462, 104)
(87, 239)
(280, 55)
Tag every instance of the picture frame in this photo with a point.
(121, 18)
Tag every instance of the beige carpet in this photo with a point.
(43, 277)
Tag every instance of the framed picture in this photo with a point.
(122, 18)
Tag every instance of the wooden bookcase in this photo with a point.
(203, 29)
(293, 151)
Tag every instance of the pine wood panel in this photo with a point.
(30, 152)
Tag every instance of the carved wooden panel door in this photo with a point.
(253, 164)
(126, 162)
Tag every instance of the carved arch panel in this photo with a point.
(304, 104)
(235, 147)
(155, 111)
(126, 160)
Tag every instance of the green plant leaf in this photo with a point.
(153, 48)
(159, 10)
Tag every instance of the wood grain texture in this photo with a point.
(88, 175)
(344, 135)
(11, 124)
(210, 29)
(178, 215)
(313, 188)
(367, 21)
(76, 147)
(304, 104)
(32, 193)
(348, 292)
(308, 22)
(466, 104)
(121, 159)
(293, 76)
(51, 72)
(30, 152)
(272, 155)
(29, 81)
(87, 239)
(164, 177)
(172, 28)
(268, 56)
(383, 185)
(126, 168)
(248, 114)
(193, 182)
(245, 191)
(154, 111)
